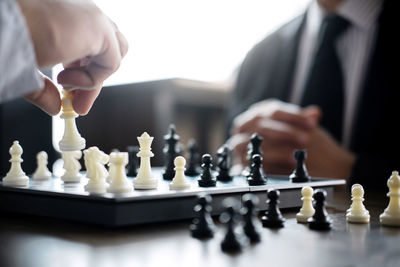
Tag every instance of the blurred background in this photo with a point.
(180, 68)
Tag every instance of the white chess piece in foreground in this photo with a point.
(16, 176)
(95, 159)
(41, 172)
(357, 213)
(71, 166)
(307, 210)
(119, 182)
(145, 179)
(179, 182)
(391, 215)
(71, 140)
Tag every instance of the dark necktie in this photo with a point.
(324, 85)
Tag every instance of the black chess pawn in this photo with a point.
(193, 167)
(206, 178)
(320, 220)
(249, 212)
(224, 164)
(203, 225)
(273, 217)
(231, 242)
(300, 174)
(171, 151)
(253, 148)
(132, 165)
(256, 176)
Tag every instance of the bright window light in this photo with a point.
(201, 40)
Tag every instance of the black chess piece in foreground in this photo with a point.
(300, 174)
(203, 225)
(273, 217)
(224, 164)
(249, 212)
(171, 151)
(193, 168)
(253, 148)
(206, 178)
(231, 242)
(132, 165)
(320, 220)
(256, 176)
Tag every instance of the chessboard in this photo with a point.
(70, 201)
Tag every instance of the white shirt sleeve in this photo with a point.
(18, 67)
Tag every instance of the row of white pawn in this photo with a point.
(100, 180)
(357, 213)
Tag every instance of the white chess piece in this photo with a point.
(71, 140)
(391, 215)
(357, 213)
(71, 166)
(111, 172)
(180, 181)
(41, 172)
(145, 179)
(16, 176)
(95, 159)
(119, 182)
(307, 210)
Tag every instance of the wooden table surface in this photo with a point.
(34, 241)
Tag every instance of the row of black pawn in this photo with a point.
(203, 226)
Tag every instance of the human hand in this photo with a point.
(78, 35)
(284, 127)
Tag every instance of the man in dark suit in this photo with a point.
(324, 82)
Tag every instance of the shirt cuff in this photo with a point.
(18, 68)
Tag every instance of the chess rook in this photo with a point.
(71, 140)
(307, 210)
(41, 172)
(119, 182)
(16, 176)
(391, 215)
(145, 179)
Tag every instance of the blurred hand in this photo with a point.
(286, 127)
(78, 35)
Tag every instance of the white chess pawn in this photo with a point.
(307, 210)
(71, 140)
(41, 172)
(95, 159)
(145, 179)
(357, 213)
(71, 166)
(16, 176)
(119, 182)
(391, 215)
(179, 182)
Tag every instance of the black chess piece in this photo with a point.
(256, 176)
(171, 151)
(253, 148)
(231, 242)
(132, 165)
(273, 217)
(193, 168)
(224, 164)
(206, 178)
(203, 225)
(300, 174)
(320, 220)
(249, 211)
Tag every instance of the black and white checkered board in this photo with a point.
(69, 201)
